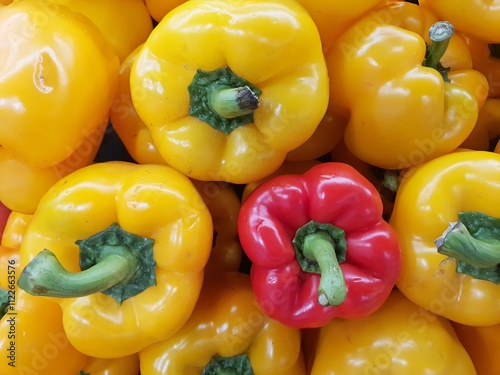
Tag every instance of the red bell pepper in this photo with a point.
(319, 246)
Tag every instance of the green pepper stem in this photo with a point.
(45, 275)
(440, 34)
(236, 365)
(319, 247)
(233, 102)
(458, 243)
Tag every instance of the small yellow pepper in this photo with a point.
(228, 87)
(127, 246)
(227, 330)
(441, 214)
(486, 132)
(482, 344)
(398, 338)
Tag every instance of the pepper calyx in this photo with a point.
(222, 99)
(239, 364)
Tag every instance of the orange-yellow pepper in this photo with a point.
(477, 19)
(158, 8)
(127, 246)
(227, 87)
(482, 345)
(438, 205)
(57, 81)
(129, 127)
(125, 24)
(128, 365)
(400, 112)
(227, 329)
(398, 338)
(486, 59)
(486, 132)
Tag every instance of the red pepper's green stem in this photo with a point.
(115, 262)
(45, 275)
(233, 102)
(440, 34)
(319, 247)
(474, 242)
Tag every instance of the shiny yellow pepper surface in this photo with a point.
(229, 87)
(399, 338)
(58, 78)
(227, 334)
(444, 215)
(122, 247)
(403, 106)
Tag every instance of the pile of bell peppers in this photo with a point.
(249, 187)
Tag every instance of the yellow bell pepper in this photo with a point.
(15, 227)
(125, 24)
(227, 331)
(486, 132)
(399, 338)
(482, 344)
(57, 81)
(122, 247)
(477, 19)
(228, 87)
(434, 201)
(128, 365)
(402, 110)
(129, 127)
(486, 59)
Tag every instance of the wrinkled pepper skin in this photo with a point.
(151, 201)
(272, 45)
(334, 196)
(379, 96)
(131, 130)
(399, 338)
(482, 344)
(227, 322)
(429, 198)
(45, 66)
(125, 24)
(477, 19)
(128, 365)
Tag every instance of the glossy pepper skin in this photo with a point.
(125, 24)
(330, 216)
(482, 345)
(158, 8)
(429, 198)
(486, 59)
(379, 96)
(269, 52)
(478, 18)
(399, 338)
(45, 66)
(227, 322)
(166, 223)
(128, 365)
